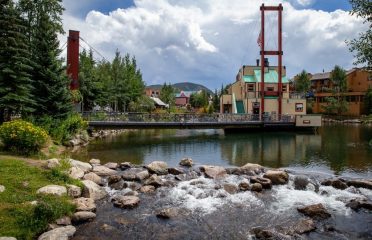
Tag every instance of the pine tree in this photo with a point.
(15, 82)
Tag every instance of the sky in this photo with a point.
(207, 41)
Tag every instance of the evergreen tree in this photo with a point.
(88, 86)
(167, 95)
(216, 100)
(302, 82)
(15, 82)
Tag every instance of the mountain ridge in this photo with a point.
(184, 86)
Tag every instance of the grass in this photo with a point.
(18, 217)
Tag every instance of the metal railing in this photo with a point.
(185, 117)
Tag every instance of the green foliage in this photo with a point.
(368, 101)
(22, 137)
(338, 77)
(335, 106)
(143, 104)
(167, 95)
(199, 100)
(18, 217)
(216, 101)
(362, 46)
(15, 82)
(302, 82)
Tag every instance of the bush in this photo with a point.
(22, 137)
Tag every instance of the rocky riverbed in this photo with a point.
(123, 201)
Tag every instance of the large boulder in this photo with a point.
(336, 183)
(175, 171)
(61, 233)
(76, 173)
(95, 161)
(53, 163)
(214, 172)
(63, 221)
(272, 234)
(244, 185)
(357, 204)
(86, 167)
(83, 216)
(113, 179)
(304, 226)
(230, 188)
(73, 191)
(129, 176)
(154, 180)
(94, 178)
(126, 201)
(103, 171)
(147, 189)
(85, 204)
(277, 176)
(300, 182)
(142, 175)
(158, 167)
(360, 183)
(256, 187)
(92, 190)
(167, 213)
(265, 182)
(186, 162)
(112, 165)
(52, 189)
(317, 211)
(257, 168)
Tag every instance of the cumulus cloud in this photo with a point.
(305, 2)
(207, 41)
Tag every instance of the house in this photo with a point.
(358, 82)
(245, 94)
(183, 98)
(159, 104)
(153, 91)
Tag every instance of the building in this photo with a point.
(153, 91)
(358, 82)
(244, 95)
(159, 104)
(183, 98)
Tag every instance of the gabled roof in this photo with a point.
(186, 94)
(270, 77)
(321, 76)
(158, 101)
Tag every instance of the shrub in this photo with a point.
(22, 137)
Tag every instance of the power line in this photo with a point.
(93, 48)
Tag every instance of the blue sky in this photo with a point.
(207, 41)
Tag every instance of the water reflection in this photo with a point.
(339, 149)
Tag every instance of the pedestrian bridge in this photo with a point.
(118, 120)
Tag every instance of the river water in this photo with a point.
(206, 211)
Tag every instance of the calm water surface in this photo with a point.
(336, 149)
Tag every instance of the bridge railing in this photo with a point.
(185, 117)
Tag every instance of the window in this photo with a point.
(270, 89)
(299, 107)
(250, 87)
(284, 88)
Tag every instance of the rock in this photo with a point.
(73, 191)
(360, 183)
(125, 165)
(357, 204)
(277, 176)
(142, 175)
(83, 216)
(175, 171)
(336, 183)
(92, 190)
(118, 185)
(94, 178)
(214, 172)
(158, 167)
(106, 227)
(271, 234)
(129, 176)
(134, 186)
(2, 188)
(85, 204)
(167, 213)
(244, 185)
(64, 221)
(147, 189)
(126, 201)
(230, 188)
(304, 226)
(103, 171)
(94, 161)
(154, 180)
(86, 167)
(256, 187)
(114, 179)
(300, 182)
(8, 238)
(112, 165)
(186, 162)
(252, 167)
(61, 233)
(265, 182)
(317, 211)
(130, 193)
(76, 173)
(52, 163)
(52, 189)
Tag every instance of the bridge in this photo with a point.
(118, 120)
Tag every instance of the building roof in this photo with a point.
(158, 102)
(270, 77)
(327, 75)
(186, 94)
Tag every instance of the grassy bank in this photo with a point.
(22, 178)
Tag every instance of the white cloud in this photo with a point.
(207, 41)
(305, 2)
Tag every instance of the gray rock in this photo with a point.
(94, 161)
(154, 180)
(94, 178)
(360, 183)
(118, 185)
(86, 167)
(214, 172)
(130, 193)
(269, 234)
(252, 167)
(126, 201)
(304, 226)
(85, 204)
(158, 167)
(265, 182)
(52, 163)
(73, 191)
(175, 171)
(52, 189)
(129, 176)
(114, 179)
(125, 165)
(92, 190)
(244, 185)
(2, 188)
(61, 233)
(83, 216)
(112, 165)
(103, 171)
(167, 213)
(277, 176)
(142, 175)
(147, 189)
(336, 183)
(317, 211)
(357, 204)
(134, 186)
(300, 182)
(76, 173)
(63, 221)
(186, 162)
(256, 187)
(230, 188)
(8, 238)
